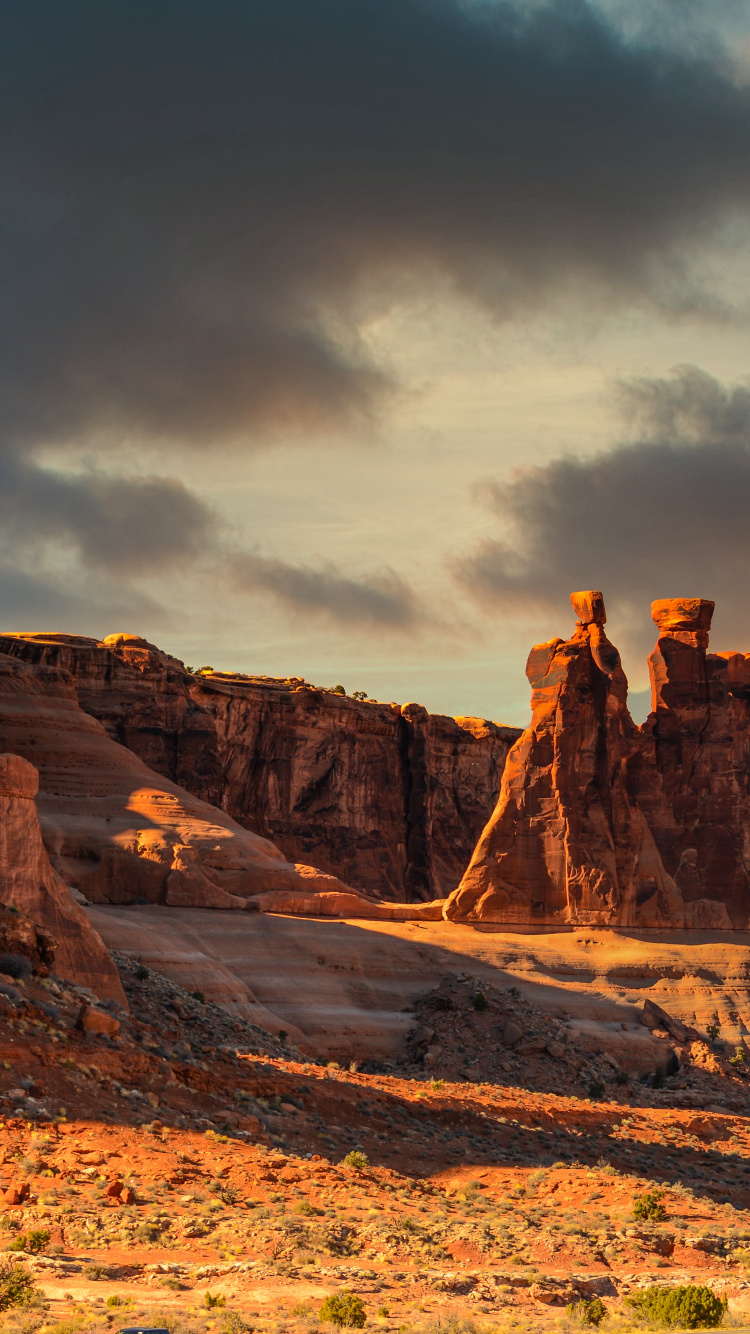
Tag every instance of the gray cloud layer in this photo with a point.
(664, 517)
(380, 600)
(195, 194)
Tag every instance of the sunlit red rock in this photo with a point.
(29, 884)
(567, 841)
(390, 799)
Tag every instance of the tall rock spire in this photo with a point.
(567, 842)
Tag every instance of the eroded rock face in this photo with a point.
(115, 830)
(692, 775)
(389, 799)
(600, 821)
(567, 842)
(62, 934)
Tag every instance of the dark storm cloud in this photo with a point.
(196, 195)
(664, 517)
(115, 524)
(193, 191)
(381, 600)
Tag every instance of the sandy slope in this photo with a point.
(348, 986)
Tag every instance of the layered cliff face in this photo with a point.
(602, 822)
(115, 830)
(49, 927)
(390, 799)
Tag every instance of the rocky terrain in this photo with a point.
(389, 798)
(601, 822)
(153, 1156)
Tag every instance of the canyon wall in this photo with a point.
(388, 798)
(117, 832)
(602, 822)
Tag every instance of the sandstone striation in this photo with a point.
(388, 798)
(62, 933)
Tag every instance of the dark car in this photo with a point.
(145, 1329)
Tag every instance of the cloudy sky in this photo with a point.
(344, 338)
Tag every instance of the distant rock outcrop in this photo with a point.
(601, 822)
(388, 798)
(49, 927)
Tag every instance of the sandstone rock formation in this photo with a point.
(389, 799)
(116, 832)
(600, 821)
(567, 842)
(29, 884)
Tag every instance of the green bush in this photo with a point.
(16, 1286)
(590, 1312)
(480, 1001)
(596, 1089)
(343, 1308)
(688, 1307)
(712, 1031)
(356, 1159)
(214, 1299)
(649, 1207)
(33, 1242)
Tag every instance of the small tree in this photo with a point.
(687, 1307)
(712, 1031)
(649, 1207)
(480, 1000)
(16, 1286)
(343, 1309)
(596, 1089)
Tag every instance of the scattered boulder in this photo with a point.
(97, 1022)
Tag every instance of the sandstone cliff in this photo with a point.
(389, 799)
(63, 936)
(599, 821)
(116, 831)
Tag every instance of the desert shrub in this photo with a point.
(739, 1058)
(16, 1286)
(213, 1300)
(142, 973)
(712, 1031)
(687, 1306)
(622, 1077)
(658, 1079)
(32, 1242)
(596, 1089)
(114, 1300)
(649, 1207)
(343, 1308)
(231, 1322)
(15, 965)
(338, 690)
(479, 1001)
(303, 1207)
(436, 1085)
(357, 1160)
(588, 1312)
(198, 995)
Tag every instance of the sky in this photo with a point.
(345, 338)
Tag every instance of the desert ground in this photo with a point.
(409, 1147)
